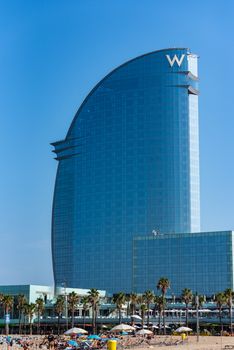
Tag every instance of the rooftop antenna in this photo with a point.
(155, 232)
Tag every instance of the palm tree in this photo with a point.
(133, 302)
(29, 311)
(229, 294)
(59, 307)
(21, 300)
(39, 309)
(163, 285)
(119, 300)
(220, 301)
(93, 296)
(7, 302)
(159, 304)
(85, 305)
(149, 297)
(187, 297)
(73, 300)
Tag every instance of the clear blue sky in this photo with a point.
(52, 54)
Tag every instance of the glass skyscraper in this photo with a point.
(128, 166)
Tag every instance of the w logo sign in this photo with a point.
(175, 59)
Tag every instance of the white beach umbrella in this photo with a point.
(137, 317)
(75, 330)
(166, 326)
(122, 327)
(183, 329)
(144, 331)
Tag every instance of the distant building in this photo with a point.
(203, 262)
(49, 295)
(128, 165)
(31, 292)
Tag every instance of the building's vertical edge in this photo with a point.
(194, 152)
(232, 259)
(52, 232)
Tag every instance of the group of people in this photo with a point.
(54, 342)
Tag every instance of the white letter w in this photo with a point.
(175, 59)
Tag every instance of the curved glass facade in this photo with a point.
(128, 165)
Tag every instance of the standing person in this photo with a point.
(51, 341)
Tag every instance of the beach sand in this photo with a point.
(205, 343)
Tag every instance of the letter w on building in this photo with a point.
(175, 59)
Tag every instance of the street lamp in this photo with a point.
(197, 314)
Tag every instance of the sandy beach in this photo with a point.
(205, 343)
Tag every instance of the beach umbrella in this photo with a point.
(144, 331)
(75, 330)
(136, 317)
(162, 326)
(94, 336)
(122, 327)
(72, 343)
(183, 329)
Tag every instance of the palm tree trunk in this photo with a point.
(164, 321)
(220, 320)
(148, 306)
(95, 323)
(30, 325)
(20, 316)
(154, 311)
(24, 326)
(58, 324)
(186, 315)
(230, 315)
(119, 316)
(7, 324)
(38, 324)
(72, 317)
(159, 322)
(93, 319)
(84, 319)
(128, 308)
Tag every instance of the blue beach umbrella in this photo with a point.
(72, 343)
(94, 336)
